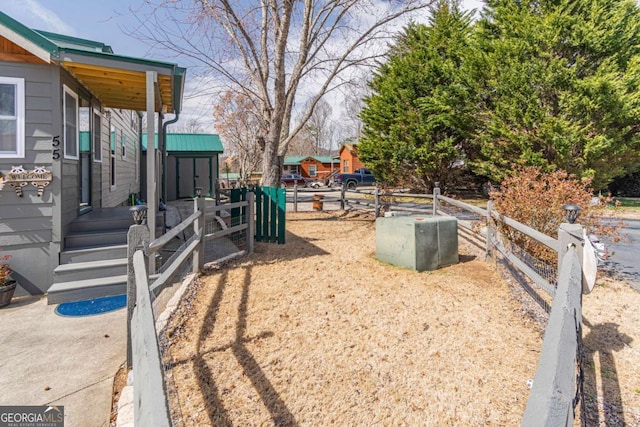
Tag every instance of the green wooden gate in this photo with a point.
(271, 205)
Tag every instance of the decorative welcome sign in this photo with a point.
(18, 178)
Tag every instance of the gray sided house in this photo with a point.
(191, 161)
(70, 146)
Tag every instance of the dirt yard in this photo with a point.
(318, 332)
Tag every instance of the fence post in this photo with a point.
(570, 235)
(137, 238)
(217, 191)
(199, 229)
(490, 231)
(436, 193)
(295, 196)
(281, 215)
(251, 221)
(343, 190)
(376, 199)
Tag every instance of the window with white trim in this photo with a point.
(70, 123)
(112, 166)
(313, 170)
(135, 160)
(123, 140)
(11, 117)
(97, 136)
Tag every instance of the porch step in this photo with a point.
(117, 222)
(93, 254)
(118, 218)
(89, 269)
(95, 238)
(87, 289)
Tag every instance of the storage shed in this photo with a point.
(191, 161)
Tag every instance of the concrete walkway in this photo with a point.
(70, 361)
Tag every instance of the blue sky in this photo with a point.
(108, 21)
(104, 21)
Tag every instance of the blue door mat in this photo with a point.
(92, 307)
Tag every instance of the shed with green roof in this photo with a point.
(191, 161)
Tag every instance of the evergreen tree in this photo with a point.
(419, 118)
(560, 86)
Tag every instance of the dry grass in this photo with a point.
(318, 332)
(611, 336)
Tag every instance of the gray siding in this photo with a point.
(26, 230)
(126, 180)
(70, 168)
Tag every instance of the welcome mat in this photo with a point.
(92, 307)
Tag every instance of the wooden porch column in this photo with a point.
(152, 200)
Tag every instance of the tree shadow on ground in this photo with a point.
(295, 247)
(602, 340)
(211, 394)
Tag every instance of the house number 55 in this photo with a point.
(55, 142)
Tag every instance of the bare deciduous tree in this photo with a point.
(238, 124)
(270, 49)
(191, 126)
(319, 129)
(353, 102)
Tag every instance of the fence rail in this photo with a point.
(553, 395)
(145, 352)
(150, 398)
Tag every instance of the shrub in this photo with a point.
(5, 269)
(535, 198)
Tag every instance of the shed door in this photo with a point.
(193, 172)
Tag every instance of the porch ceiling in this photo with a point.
(118, 81)
(120, 84)
(119, 88)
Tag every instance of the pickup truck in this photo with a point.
(359, 177)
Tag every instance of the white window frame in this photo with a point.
(135, 160)
(113, 181)
(97, 156)
(66, 90)
(18, 82)
(133, 121)
(123, 142)
(313, 170)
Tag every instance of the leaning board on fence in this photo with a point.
(270, 214)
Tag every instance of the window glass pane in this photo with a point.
(8, 136)
(71, 125)
(70, 108)
(7, 100)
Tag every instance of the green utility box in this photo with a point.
(418, 242)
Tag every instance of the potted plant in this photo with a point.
(7, 284)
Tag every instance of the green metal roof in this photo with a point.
(81, 57)
(28, 34)
(296, 160)
(75, 43)
(189, 142)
